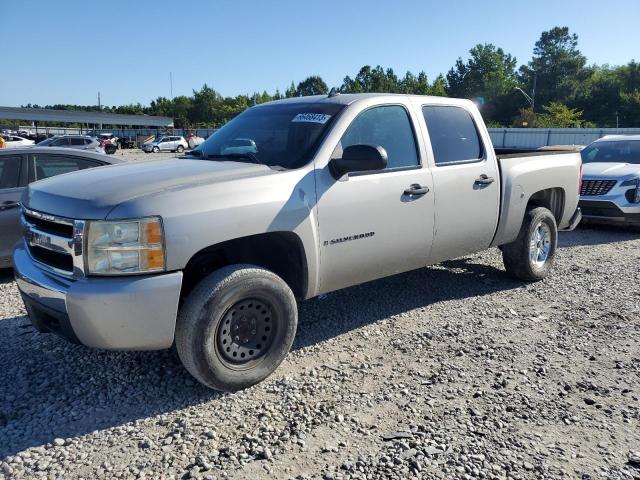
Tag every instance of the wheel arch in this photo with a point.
(281, 252)
(553, 199)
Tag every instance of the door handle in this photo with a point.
(8, 204)
(484, 180)
(416, 189)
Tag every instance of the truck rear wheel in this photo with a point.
(531, 256)
(236, 327)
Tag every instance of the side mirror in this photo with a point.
(359, 158)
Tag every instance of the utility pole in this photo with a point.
(533, 92)
(99, 107)
(617, 120)
(173, 107)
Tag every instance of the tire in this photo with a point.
(519, 258)
(180, 149)
(156, 149)
(210, 323)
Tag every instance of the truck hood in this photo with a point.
(608, 170)
(93, 193)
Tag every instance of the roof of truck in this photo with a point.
(349, 98)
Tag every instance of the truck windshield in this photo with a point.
(618, 151)
(281, 135)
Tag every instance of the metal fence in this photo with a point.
(541, 137)
(501, 137)
(119, 132)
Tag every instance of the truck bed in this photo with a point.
(539, 174)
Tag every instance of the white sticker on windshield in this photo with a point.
(311, 117)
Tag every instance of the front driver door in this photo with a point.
(369, 225)
(11, 186)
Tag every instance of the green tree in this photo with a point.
(290, 92)
(488, 73)
(206, 107)
(313, 85)
(372, 80)
(557, 68)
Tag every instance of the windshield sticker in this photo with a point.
(311, 118)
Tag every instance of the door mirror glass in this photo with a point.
(359, 158)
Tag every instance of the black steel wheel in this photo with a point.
(246, 332)
(236, 326)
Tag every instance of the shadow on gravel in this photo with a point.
(52, 389)
(341, 311)
(594, 234)
(6, 275)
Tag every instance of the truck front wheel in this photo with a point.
(236, 327)
(531, 256)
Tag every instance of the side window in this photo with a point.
(61, 142)
(77, 141)
(52, 165)
(386, 126)
(9, 171)
(453, 134)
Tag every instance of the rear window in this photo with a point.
(52, 165)
(453, 134)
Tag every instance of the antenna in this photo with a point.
(333, 92)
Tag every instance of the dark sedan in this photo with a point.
(21, 166)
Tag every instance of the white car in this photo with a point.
(166, 143)
(13, 141)
(610, 191)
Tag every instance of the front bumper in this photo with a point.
(608, 211)
(116, 313)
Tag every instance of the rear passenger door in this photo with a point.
(13, 177)
(466, 182)
(77, 142)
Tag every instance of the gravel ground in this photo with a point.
(453, 371)
(135, 154)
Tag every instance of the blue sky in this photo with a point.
(65, 51)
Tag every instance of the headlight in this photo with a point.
(632, 182)
(632, 195)
(125, 246)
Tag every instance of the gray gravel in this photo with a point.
(453, 371)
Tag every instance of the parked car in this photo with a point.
(610, 191)
(108, 137)
(21, 166)
(80, 142)
(126, 142)
(212, 252)
(14, 141)
(170, 143)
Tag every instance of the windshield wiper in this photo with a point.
(239, 156)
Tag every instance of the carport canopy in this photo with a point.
(77, 116)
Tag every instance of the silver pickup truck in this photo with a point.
(289, 200)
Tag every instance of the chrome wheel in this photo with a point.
(540, 245)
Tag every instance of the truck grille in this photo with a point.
(53, 241)
(596, 187)
(48, 226)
